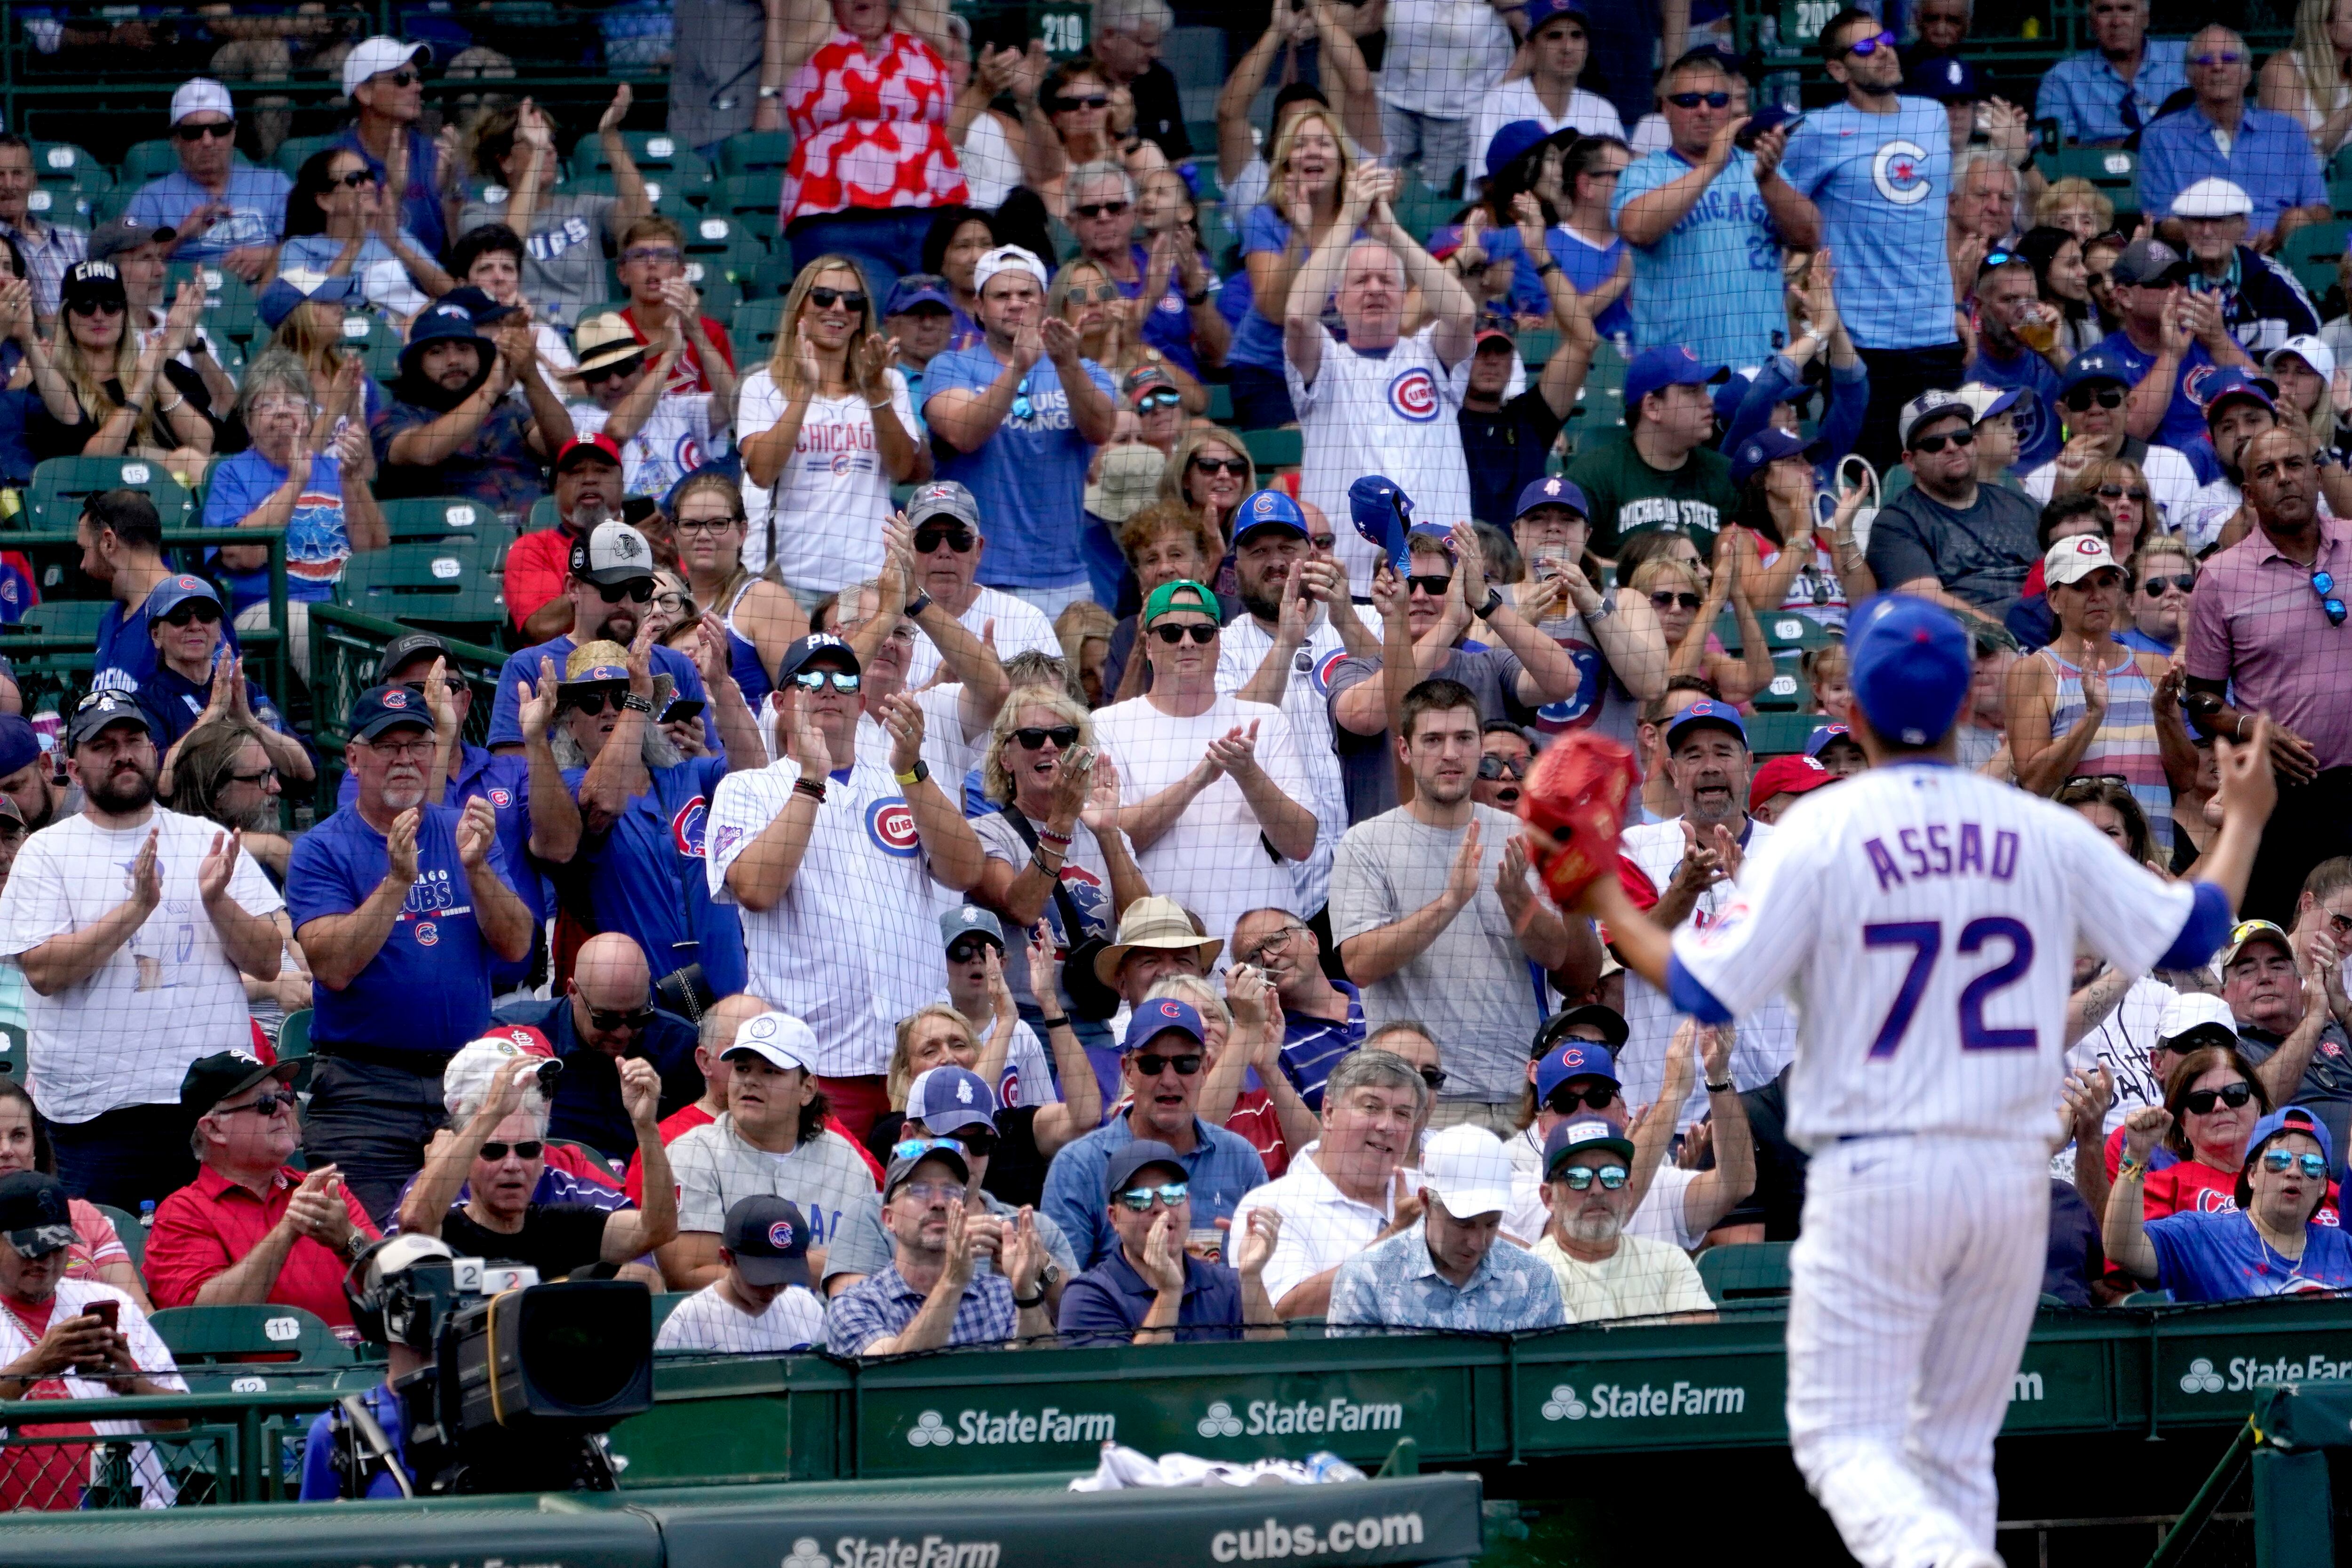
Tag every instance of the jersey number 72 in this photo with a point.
(1925, 940)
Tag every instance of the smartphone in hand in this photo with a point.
(108, 1311)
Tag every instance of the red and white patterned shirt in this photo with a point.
(870, 131)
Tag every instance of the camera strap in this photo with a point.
(361, 1443)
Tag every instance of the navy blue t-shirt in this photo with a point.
(174, 703)
(506, 714)
(1108, 1302)
(428, 987)
(647, 876)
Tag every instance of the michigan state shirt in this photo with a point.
(1882, 182)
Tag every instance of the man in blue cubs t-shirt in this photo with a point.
(1015, 419)
(1879, 167)
(2169, 341)
(402, 907)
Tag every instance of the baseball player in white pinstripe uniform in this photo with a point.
(1923, 923)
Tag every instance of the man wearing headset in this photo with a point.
(358, 1447)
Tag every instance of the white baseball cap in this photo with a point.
(2213, 197)
(375, 55)
(1468, 1169)
(780, 1040)
(2072, 559)
(1006, 259)
(201, 95)
(2313, 352)
(465, 1082)
(2191, 1010)
(1985, 401)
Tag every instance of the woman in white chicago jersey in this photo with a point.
(1936, 913)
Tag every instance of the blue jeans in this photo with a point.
(371, 1123)
(886, 243)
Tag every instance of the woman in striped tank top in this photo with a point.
(2087, 706)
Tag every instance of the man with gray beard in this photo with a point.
(402, 907)
(130, 925)
(1602, 1271)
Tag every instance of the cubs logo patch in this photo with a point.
(1171, 1010)
(890, 824)
(1582, 710)
(1569, 1057)
(501, 799)
(1412, 394)
(728, 838)
(686, 827)
(1324, 670)
(427, 933)
(1899, 173)
(779, 1235)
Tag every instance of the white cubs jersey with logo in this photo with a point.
(1923, 921)
(854, 944)
(1389, 414)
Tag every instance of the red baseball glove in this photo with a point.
(1574, 805)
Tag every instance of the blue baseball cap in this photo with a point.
(1574, 1058)
(1761, 450)
(1819, 741)
(1542, 11)
(1155, 1018)
(297, 284)
(1382, 511)
(1729, 395)
(917, 288)
(1551, 492)
(1706, 711)
(1267, 508)
(443, 321)
(381, 708)
(1668, 364)
(2213, 388)
(816, 645)
(946, 1099)
(173, 592)
(2291, 1119)
(1944, 77)
(1910, 666)
(1513, 141)
(2094, 364)
(20, 743)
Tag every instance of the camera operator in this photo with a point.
(341, 1458)
(498, 1155)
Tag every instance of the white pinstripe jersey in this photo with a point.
(1923, 921)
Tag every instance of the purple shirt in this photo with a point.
(2257, 621)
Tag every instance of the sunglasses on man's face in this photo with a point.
(1199, 632)
(1866, 47)
(617, 369)
(1932, 444)
(1430, 583)
(1147, 1065)
(1033, 737)
(827, 299)
(610, 1019)
(2082, 398)
(1491, 767)
(1102, 209)
(593, 702)
(958, 539)
(1066, 105)
(182, 616)
(2278, 1162)
(1153, 400)
(637, 591)
(1564, 1098)
(2220, 57)
(221, 130)
(969, 950)
(2201, 1102)
(1693, 100)
(529, 1149)
(2155, 586)
(1667, 599)
(1139, 1199)
(264, 1104)
(1579, 1178)
(842, 680)
(404, 76)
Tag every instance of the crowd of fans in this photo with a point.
(988, 868)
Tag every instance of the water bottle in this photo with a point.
(146, 1214)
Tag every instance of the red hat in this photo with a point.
(599, 445)
(1787, 775)
(527, 1040)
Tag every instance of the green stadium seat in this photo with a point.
(66, 617)
(1200, 172)
(753, 328)
(1780, 734)
(543, 515)
(653, 152)
(1537, 345)
(2311, 252)
(1423, 210)
(755, 152)
(294, 151)
(1220, 402)
(720, 294)
(431, 518)
(772, 278)
(1750, 1271)
(1784, 630)
(67, 204)
(378, 340)
(1787, 692)
(60, 483)
(666, 194)
(755, 197)
(665, 1303)
(258, 1331)
(132, 1234)
(1275, 449)
(146, 161)
(63, 163)
(444, 584)
(294, 1037)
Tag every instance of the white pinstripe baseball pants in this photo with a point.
(1916, 1279)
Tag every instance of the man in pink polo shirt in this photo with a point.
(2267, 635)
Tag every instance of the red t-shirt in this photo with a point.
(1254, 1117)
(204, 1229)
(537, 565)
(41, 1475)
(687, 376)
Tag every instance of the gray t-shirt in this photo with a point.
(715, 1170)
(1085, 878)
(1492, 674)
(563, 260)
(1982, 554)
(1472, 985)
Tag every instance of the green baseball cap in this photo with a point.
(1165, 597)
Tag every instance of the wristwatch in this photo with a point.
(636, 704)
(1493, 602)
(914, 775)
(770, 92)
(917, 605)
(1549, 267)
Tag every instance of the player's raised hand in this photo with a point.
(2248, 788)
(2144, 1129)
